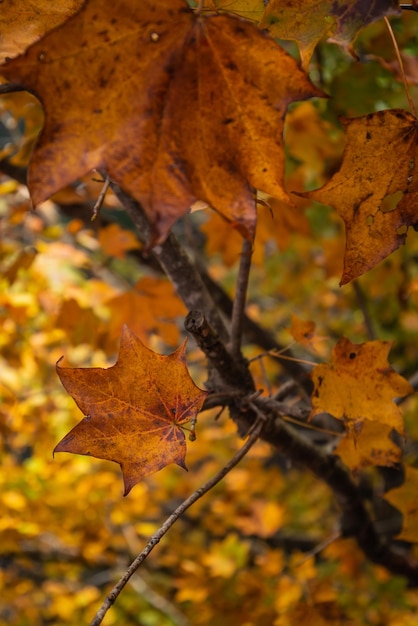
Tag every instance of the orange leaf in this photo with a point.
(23, 22)
(134, 410)
(379, 161)
(159, 305)
(198, 114)
(359, 384)
(116, 241)
(404, 498)
(369, 445)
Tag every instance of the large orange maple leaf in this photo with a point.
(175, 106)
(134, 410)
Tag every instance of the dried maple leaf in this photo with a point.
(308, 21)
(23, 22)
(359, 384)
(250, 9)
(404, 498)
(379, 161)
(134, 410)
(177, 107)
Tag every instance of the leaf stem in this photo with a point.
(170, 521)
(238, 309)
(401, 67)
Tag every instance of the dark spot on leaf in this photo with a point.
(231, 66)
(170, 70)
(320, 380)
(227, 120)
(368, 136)
(352, 355)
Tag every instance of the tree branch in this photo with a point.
(230, 372)
(176, 264)
(356, 519)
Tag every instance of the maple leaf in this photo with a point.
(134, 410)
(359, 384)
(250, 9)
(379, 161)
(23, 22)
(404, 498)
(308, 21)
(177, 107)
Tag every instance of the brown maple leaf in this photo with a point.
(177, 107)
(135, 410)
(23, 22)
(376, 189)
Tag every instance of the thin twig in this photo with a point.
(401, 67)
(362, 302)
(99, 203)
(336, 534)
(238, 309)
(156, 537)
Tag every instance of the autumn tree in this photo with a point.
(205, 210)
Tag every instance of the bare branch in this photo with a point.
(225, 370)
